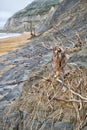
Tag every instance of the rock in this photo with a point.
(12, 93)
(36, 12)
(80, 57)
(31, 58)
(1, 127)
(63, 126)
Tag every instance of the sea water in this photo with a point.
(6, 35)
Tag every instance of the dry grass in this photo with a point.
(55, 98)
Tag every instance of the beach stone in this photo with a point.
(63, 126)
(1, 127)
(80, 57)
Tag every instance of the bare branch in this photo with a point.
(70, 100)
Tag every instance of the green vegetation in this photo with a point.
(38, 7)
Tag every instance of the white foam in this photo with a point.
(6, 35)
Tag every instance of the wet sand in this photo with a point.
(13, 43)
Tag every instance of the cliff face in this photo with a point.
(36, 12)
(32, 62)
(45, 14)
(67, 15)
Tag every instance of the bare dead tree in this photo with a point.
(31, 28)
(59, 58)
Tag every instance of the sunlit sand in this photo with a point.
(12, 43)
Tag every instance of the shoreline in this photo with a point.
(12, 43)
(8, 35)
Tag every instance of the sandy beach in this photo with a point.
(13, 43)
